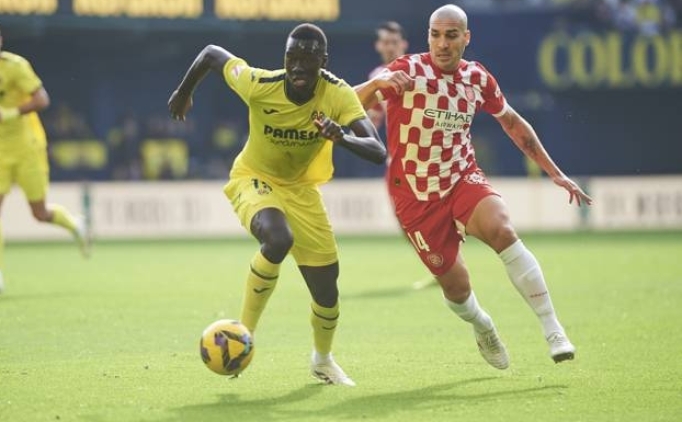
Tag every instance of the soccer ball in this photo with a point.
(226, 347)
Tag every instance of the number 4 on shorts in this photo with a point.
(418, 241)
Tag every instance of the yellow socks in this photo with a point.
(62, 217)
(260, 284)
(324, 322)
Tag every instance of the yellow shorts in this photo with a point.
(314, 243)
(28, 169)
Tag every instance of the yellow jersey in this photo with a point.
(284, 144)
(18, 82)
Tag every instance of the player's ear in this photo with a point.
(325, 59)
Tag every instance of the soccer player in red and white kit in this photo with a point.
(438, 191)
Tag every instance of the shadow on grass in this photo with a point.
(301, 404)
(422, 400)
(377, 294)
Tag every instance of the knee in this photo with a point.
(455, 284)
(456, 292)
(277, 243)
(41, 215)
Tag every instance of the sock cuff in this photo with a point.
(468, 304)
(330, 314)
(513, 251)
(263, 267)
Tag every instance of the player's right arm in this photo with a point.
(211, 58)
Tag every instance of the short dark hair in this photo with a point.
(308, 31)
(392, 27)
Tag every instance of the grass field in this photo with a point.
(115, 338)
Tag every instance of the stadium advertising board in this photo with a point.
(360, 206)
(637, 202)
(612, 60)
(323, 10)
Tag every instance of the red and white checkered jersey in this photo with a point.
(376, 71)
(429, 143)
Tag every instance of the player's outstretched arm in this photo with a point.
(365, 141)
(525, 138)
(211, 58)
(398, 80)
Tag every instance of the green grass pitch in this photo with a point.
(116, 338)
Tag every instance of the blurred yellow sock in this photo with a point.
(62, 217)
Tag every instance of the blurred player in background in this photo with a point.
(438, 191)
(295, 117)
(391, 43)
(23, 146)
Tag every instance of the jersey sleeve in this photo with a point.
(493, 99)
(398, 64)
(241, 77)
(349, 106)
(27, 80)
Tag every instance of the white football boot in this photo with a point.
(330, 372)
(492, 349)
(560, 347)
(83, 236)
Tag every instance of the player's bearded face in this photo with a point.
(303, 60)
(447, 41)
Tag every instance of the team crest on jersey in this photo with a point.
(317, 115)
(475, 179)
(435, 259)
(469, 93)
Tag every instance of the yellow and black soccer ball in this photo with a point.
(226, 347)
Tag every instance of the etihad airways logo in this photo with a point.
(446, 119)
(291, 137)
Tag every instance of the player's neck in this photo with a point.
(297, 96)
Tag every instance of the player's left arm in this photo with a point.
(525, 138)
(364, 141)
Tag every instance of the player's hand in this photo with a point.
(573, 189)
(397, 80)
(329, 129)
(179, 104)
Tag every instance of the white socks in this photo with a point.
(471, 312)
(319, 358)
(525, 273)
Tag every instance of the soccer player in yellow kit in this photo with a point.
(295, 117)
(23, 145)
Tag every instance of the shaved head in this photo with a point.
(450, 14)
(448, 36)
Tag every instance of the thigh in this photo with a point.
(431, 230)
(32, 175)
(250, 194)
(471, 189)
(314, 242)
(6, 175)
